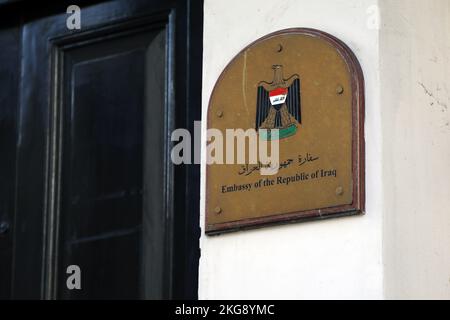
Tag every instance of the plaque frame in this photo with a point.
(358, 146)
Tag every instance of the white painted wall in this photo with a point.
(339, 258)
(401, 248)
(415, 104)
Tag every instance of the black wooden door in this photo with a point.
(87, 179)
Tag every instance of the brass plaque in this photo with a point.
(309, 86)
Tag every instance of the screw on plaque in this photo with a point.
(218, 210)
(339, 191)
(220, 114)
(280, 48)
(339, 89)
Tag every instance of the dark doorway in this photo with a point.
(85, 173)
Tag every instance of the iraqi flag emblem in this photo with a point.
(278, 96)
(278, 105)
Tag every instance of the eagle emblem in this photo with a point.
(278, 105)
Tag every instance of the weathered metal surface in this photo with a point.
(309, 85)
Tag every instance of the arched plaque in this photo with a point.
(308, 85)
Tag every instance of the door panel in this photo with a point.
(109, 85)
(101, 215)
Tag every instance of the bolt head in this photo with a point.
(339, 191)
(339, 89)
(218, 210)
